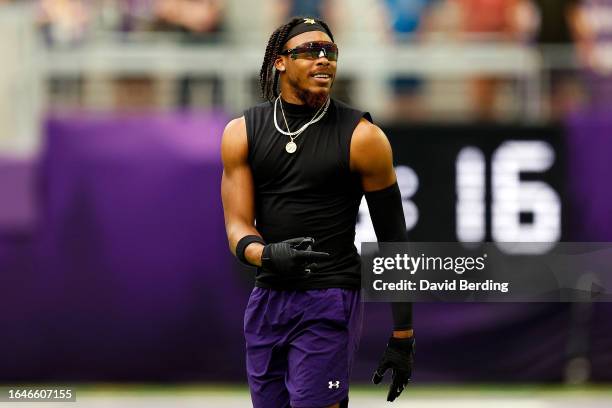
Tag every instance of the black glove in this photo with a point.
(292, 256)
(399, 356)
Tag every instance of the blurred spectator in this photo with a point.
(555, 38)
(322, 9)
(125, 16)
(64, 22)
(188, 21)
(493, 20)
(136, 15)
(312, 8)
(591, 23)
(406, 18)
(200, 22)
(407, 21)
(553, 20)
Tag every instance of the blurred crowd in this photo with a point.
(580, 31)
(69, 22)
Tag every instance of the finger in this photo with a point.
(376, 377)
(397, 386)
(379, 374)
(401, 379)
(311, 267)
(311, 255)
(297, 241)
(306, 244)
(394, 392)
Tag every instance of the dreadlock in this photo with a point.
(268, 78)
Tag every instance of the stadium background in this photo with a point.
(114, 266)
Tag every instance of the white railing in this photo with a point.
(236, 66)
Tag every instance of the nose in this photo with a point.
(322, 60)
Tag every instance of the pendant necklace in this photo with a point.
(291, 146)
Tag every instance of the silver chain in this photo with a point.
(294, 135)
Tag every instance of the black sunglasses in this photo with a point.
(314, 50)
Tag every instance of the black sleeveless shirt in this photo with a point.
(310, 193)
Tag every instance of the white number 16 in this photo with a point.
(510, 197)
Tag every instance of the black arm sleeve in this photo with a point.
(390, 226)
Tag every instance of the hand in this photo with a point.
(291, 256)
(399, 357)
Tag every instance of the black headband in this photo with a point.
(307, 24)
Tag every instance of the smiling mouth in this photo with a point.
(322, 79)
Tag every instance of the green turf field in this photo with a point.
(362, 396)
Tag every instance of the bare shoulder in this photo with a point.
(235, 130)
(234, 145)
(369, 146)
(368, 135)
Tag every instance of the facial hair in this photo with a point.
(310, 99)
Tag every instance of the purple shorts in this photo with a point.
(300, 346)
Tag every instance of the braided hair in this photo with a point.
(268, 77)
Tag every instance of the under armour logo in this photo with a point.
(334, 384)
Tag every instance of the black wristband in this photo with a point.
(406, 344)
(243, 243)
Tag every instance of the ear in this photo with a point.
(279, 64)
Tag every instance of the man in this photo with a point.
(295, 170)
